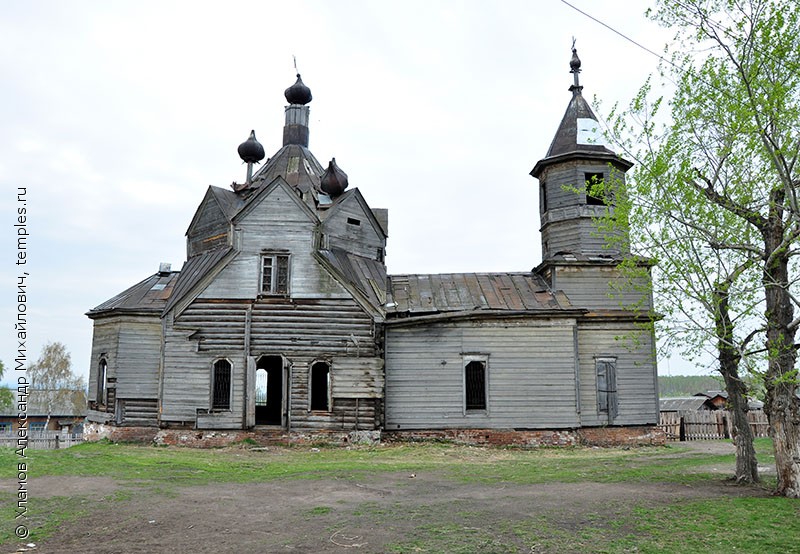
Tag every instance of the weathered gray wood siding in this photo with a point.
(300, 330)
(105, 343)
(210, 228)
(531, 374)
(276, 223)
(602, 287)
(362, 239)
(578, 235)
(636, 374)
(139, 357)
(565, 183)
(186, 380)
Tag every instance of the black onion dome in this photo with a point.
(575, 62)
(251, 150)
(298, 93)
(334, 180)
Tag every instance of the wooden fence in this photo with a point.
(38, 440)
(708, 425)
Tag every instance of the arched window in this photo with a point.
(221, 386)
(320, 386)
(102, 382)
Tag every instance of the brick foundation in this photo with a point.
(590, 436)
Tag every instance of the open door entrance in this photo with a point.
(269, 390)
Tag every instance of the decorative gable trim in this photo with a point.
(265, 191)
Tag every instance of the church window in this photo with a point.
(475, 379)
(102, 382)
(221, 385)
(595, 195)
(275, 274)
(320, 385)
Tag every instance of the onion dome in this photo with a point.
(334, 180)
(251, 150)
(575, 62)
(298, 93)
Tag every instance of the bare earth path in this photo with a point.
(379, 513)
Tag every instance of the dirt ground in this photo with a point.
(338, 515)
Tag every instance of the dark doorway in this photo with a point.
(269, 390)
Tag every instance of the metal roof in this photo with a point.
(149, 295)
(472, 292)
(682, 404)
(193, 271)
(364, 274)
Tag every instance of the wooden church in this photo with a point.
(283, 317)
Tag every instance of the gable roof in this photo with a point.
(278, 182)
(194, 270)
(356, 196)
(147, 296)
(475, 293)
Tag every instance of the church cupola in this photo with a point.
(573, 178)
(295, 131)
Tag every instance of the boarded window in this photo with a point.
(607, 386)
(320, 386)
(102, 382)
(275, 274)
(221, 386)
(475, 385)
(595, 196)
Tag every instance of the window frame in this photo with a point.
(213, 408)
(328, 395)
(101, 395)
(591, 179)
(275, 258)
(608, 397)
(467, 359)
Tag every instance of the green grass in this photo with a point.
(736, 523)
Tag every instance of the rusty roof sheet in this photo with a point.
(149, 295)
(465, 292)
(365, 274)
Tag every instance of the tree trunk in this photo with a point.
(784, 428)
(746, 463)
(782, 405)
(729, 358)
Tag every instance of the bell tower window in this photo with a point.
(594, 189)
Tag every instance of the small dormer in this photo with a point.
(573, 179)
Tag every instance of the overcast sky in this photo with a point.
(116, 116)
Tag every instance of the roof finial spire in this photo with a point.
(575, 68)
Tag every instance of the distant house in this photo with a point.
(283, 316)
(717, 398)
(66, 414)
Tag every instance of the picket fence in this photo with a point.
(43, 440)
(708, 425)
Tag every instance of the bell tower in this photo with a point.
(576, 182)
